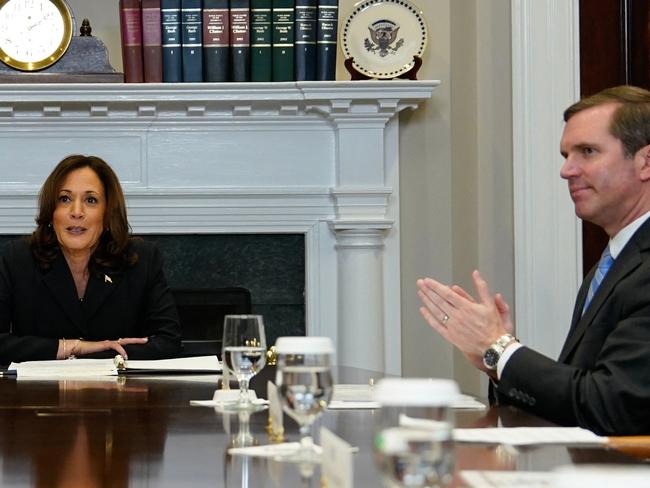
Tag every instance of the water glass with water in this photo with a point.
(413, 431)
(244, 353)
(305, 382)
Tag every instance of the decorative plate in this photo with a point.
(383, 36)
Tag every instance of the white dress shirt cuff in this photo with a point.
(506, 356)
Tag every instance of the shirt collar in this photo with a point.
(617, 243)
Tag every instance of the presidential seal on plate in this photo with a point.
(383, 37)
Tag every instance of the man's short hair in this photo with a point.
(631, 120)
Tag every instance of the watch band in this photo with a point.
(493, 353)
(505, 339)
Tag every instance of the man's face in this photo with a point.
(604, 185)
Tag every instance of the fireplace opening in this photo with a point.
(270, 266)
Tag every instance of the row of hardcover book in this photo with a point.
(228, 40)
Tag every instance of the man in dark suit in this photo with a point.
(601, 381)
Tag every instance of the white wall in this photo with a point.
(426, 207)
(457, 174)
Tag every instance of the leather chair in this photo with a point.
(201, 312)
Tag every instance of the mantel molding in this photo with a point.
(211, 101)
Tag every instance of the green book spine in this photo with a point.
(283, 40)
(261, 40)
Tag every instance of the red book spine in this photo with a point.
(131, 31)
(216, 27)
(151, 41)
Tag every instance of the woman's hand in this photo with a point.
(79, 347)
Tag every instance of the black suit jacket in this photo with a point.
(601, 380)
(37, 307)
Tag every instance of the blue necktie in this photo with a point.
(604, 264)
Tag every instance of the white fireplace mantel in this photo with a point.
(317, 158)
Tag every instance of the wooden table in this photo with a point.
(141, 432)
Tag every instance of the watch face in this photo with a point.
(491, 358)
(34, 33)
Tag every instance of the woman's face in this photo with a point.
(78, 218)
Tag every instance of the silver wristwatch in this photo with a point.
(493, 354)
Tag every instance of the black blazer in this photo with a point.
(601, 380)
(37, 307)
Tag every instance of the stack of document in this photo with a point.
(82, 368)
(361, 397)
(524, 436)
(571, 476)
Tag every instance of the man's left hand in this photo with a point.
(472, 326)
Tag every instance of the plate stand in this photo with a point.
(409, 75)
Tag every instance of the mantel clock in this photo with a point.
(34, 34)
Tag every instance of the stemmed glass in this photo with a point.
(304, 381)
(244, 354)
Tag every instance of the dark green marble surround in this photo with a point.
(271, 266)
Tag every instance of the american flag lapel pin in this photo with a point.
(107, 279)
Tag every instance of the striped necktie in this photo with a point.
(604, 264)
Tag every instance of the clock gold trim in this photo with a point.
(66, 16)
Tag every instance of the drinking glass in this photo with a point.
(304, 381)
(413, 431)
(244, 354)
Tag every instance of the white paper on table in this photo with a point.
(467, 402)
(269, 450)
(337, 405)
(352, 393)
(614, 475)
(81, 368)
(522, 436)
(228, 397)
(361, 397)
(74, 368)
(508, 479)
(352, 397)
(570, 476)
(186, 378)
(191, 364)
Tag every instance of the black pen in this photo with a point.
(11, 373)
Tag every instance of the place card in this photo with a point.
(225, 378)
(336, 459)
(275, 411)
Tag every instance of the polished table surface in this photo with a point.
(142, 431)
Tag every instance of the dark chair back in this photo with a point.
(201, 312)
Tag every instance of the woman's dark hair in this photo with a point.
(113, 250)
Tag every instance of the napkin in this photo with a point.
(271, 450)
(225, 397)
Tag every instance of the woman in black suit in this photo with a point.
(81, 285)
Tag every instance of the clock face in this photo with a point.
(33, 33)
